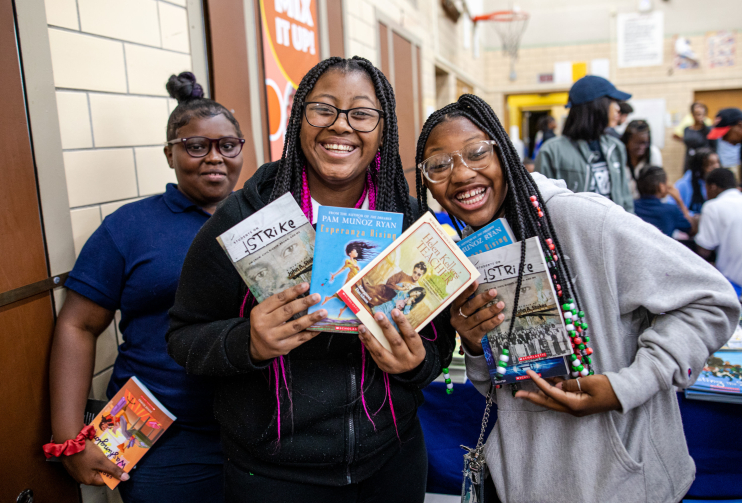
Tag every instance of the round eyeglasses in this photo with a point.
(361, 119)
(200, 146)
(478, 155)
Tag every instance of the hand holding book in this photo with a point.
(86, 466)
(270, 334)
(578, 397)
(407, 350)
(474, 318)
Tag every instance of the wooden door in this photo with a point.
(717, 100)
(26, 324)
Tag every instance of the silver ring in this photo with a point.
(578, 384)
(462, 314)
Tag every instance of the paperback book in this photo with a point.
(420, 274)
(538, 332)
(720, 379)
(550, 367)
(489, 237)
(272, 249)
(129, 425)
(346, 240)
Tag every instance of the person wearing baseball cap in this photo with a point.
(728, 127)
(585, 157)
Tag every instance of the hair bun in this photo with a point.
(183, 87)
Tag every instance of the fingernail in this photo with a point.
(396, 313)
(323, 313)
(315, 296)
(500, 305)
(493, 293)
(125, 477)
(304, 286)
(379, 317)
(500, 316)
(362, 330)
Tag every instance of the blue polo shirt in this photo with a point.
(666, 217)
(132, 262)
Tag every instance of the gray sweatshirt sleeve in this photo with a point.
(695, 305)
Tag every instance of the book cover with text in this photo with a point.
(551, 367)
(272, 249)
(129, 425)
(346, 240)
(493, 235)
(420, 274)
(539, 332)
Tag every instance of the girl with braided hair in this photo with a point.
(655, 312)
(308, 416)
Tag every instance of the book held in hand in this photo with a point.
(129, 425)
(539, 332)
(493, 235)
(550, 367)
(420, 274)
(272, 249)
(346, 240)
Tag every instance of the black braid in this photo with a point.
(392, 189)
(520, 187)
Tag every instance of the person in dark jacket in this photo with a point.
(307, 416)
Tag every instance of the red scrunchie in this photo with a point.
(69, 447)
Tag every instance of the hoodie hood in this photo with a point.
(549, 187)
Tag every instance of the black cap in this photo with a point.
(592, 87)
(724, 120)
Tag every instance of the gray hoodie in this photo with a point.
(623, 270)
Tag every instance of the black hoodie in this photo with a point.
(328, 439)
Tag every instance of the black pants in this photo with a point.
(402, 479)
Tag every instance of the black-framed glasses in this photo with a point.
(361, 119)
(478, 155)
(200, 146)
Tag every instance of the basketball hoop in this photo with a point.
(509, 25)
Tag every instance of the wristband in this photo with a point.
(69, 447)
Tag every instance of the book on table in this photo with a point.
(129, 425)
(346, 240)
(721, 378)
(539, 339)
(272, 249)
(420, 274)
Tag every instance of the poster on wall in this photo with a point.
(640, 39)
(720, 48)
(290, 50)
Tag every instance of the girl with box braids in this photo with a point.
(523, 208)
(387, 175)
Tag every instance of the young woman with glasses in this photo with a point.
(309, 416)
(132, 263)
(652, 311)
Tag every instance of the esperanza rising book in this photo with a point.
(494, 235)
(346, 240)
(420, 274)
(272, 249)
(539, 333)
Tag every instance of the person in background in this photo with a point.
(728, 127)
(652, 187)
(586, 158)
(639, 151)
(132, 263)
(695, 135)
(546, 126)
(692, 186)
(624, 110)
(720, 228)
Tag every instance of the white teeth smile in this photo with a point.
(338, 148)
(472, 196)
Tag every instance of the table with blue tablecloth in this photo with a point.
(713, 432)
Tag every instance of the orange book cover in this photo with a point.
(129, 425)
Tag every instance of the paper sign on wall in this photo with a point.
(640, 39)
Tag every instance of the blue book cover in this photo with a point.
(551, 367)
(346, 241)
(489, 237)
(721, 376)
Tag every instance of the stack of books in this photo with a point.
(720, 379)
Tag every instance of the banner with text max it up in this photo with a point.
(290, 50)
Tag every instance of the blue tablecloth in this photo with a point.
(713, 432)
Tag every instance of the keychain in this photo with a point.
(475, 465)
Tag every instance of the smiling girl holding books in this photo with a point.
(651, 310)
(295, 425)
